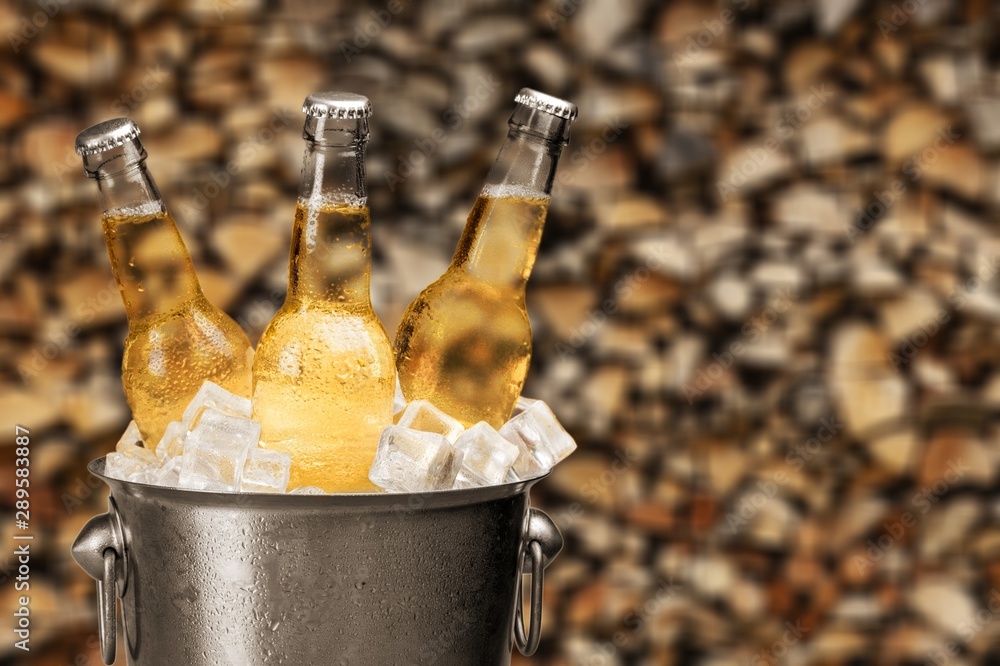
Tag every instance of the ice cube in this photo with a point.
(169, 474)
(202, 482)
(540, 439)
(144, 475)
(123, 466)
(307, 490)
(172, 442)
(130, 437)
(130, 445)
(140, 453)
(424, 416)
(265, 471)
(523, 404)
(526, 465)
(487, 456)
(399, 400)
(212, 395)
(216, 449)
(410, 460)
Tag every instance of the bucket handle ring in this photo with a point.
(100, 550)
(106, 629)
(542, 542)
(527, 645)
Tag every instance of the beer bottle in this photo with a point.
(176, 338)
(324, 377)
(464, 343)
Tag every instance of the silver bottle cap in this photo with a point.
(337, 105)
(547, 103)
(104, 136)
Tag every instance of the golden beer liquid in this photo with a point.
(176, 338)
(464, 343)
(324, 377)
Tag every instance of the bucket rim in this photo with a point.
(410, 501)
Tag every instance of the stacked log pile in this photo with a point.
(766, 302)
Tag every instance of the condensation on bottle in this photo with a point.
(324, 375)
(177, 339)
(464, 343)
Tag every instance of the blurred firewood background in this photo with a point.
(766, 302)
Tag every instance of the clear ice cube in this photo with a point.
(424, 416)
(398, 400)
(265, 471)
(526, 465)
(122, 466)
(145, 475)
(169, 474)
(212, 395)
(129, 438)
(194, 481)
(140, 453)
(540, 440)
(487, 457)
(130, 446)
(523, 404)
(410, 460)
(130, 459)
(172, 443)
(307, 490)
(216, 449)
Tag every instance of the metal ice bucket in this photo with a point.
(216, 578)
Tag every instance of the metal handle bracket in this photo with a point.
(542, 542)
(99, 549)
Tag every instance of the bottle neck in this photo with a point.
(334, 173)
(151, 264)
(124, 185)
(526, 163)
(504, 229)
(330, 258)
